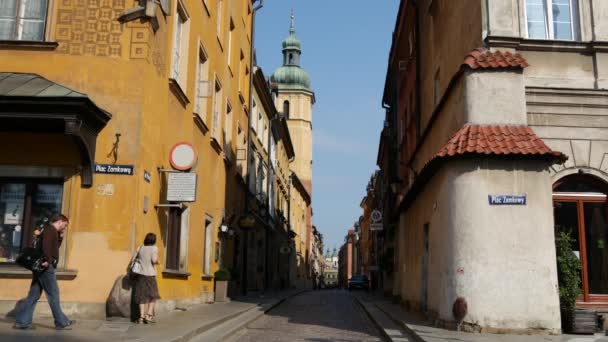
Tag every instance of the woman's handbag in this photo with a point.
(135, 264)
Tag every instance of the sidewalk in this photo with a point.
(178, 326)
(388, 317)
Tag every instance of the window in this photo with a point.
(252, 120)
(180, 47)
(207, 266)
(174, 229)
(580, 208)
(240, 76)
(552, 19)
(290, 58)
(203, 86)
(252, 172)
(25, 204)
(228, 129)
(286, 108)
(229, 56)
(219, 19)
(23, 19)
(217, 105)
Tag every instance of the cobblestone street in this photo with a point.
(329, 315)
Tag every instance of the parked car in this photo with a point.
(358, 281)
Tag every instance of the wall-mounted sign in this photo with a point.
(375, 226)
(114, 169)
(147, 176)
(181, 187)
(507, 199)
(376, 216)
(182, 156)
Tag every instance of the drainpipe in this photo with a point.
(418, 61)
(248, 154)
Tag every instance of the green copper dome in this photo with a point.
(291, 75)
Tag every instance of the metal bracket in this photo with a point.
(178, 205)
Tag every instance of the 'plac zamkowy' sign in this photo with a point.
(507, 199)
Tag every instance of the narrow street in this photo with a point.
(328, 315)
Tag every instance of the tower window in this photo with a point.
(286, 109)
(291, 58)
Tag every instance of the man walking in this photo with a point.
(52, 236)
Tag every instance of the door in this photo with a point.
(425, 270)
(581, 209)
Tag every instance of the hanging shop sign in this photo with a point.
(181, 187)
(112, 169)
(507, 199)
(182, 156)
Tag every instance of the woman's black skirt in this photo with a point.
(146, 289)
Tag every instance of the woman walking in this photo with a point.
(146, 289)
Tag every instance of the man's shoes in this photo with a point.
(66, 327)
(23, 327)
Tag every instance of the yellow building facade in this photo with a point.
(93, 99)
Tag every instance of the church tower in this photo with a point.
(295, 99)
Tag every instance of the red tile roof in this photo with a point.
(482, 58)
(498, 140)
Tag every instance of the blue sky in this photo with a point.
(345, 46)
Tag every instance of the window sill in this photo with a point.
(16, 272)
(28, 45)
(177, 90)
(176, 274)
(198, 119)
(219, 41)
(525, 44)
(216, 145)
(207, 277)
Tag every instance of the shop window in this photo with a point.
(580, 208)
(552, 19)
(23, 19)
(25, 204)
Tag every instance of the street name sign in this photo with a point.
(507, 199)
(112, 169)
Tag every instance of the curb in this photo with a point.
(410, 333)
(403, 326)
(371, 318)
(243, 318)
(201, 329)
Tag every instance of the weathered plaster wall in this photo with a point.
(487, 254)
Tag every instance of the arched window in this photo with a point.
(291, 58)
(286, 109)
(580, 208)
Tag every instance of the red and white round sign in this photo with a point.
(182, 156)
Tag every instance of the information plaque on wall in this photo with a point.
(181, 187)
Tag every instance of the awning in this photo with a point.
(31, 103)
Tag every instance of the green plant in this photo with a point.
(568, 271)
(222, 275)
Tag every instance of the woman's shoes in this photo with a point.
(141, 320)
(149, 319)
